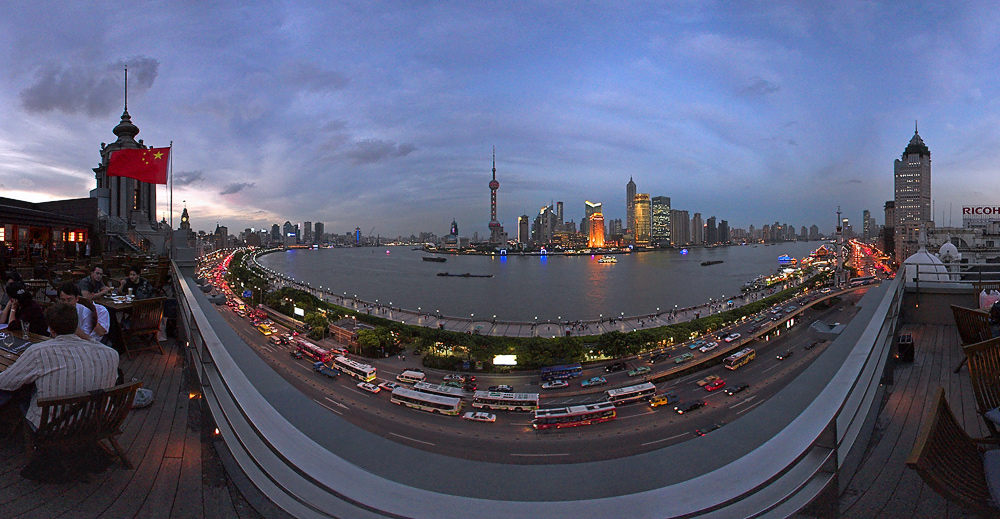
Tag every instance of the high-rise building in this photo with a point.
(680, 228)
(524, 229)
(589, 208)
(630, 206)
(711, 233)
(912, 184)
(596, 226)
(319, 232)
(615, 227)
(496, 230)
(697, 230)
(866, 225)
(814, 232)
(643, 212)
(544, 226)
(559, 214)
(275, 233)
(724, 231)
(307, 232)
(661, 221)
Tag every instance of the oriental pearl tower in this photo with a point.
(496, 230)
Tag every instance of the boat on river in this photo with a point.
(466, 275)
(711, 262)
(438, 259)
(608, 259)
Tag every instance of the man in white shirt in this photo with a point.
(89, 326)
(64, 365)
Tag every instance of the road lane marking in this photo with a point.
(665, 439)
(411, 439)
(541, 455)
(328, 407)
(751, 407)
(636, 415)
(772, 367)
(335, 402)
(745, 400)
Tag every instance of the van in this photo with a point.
(411, 377)
(663, 399)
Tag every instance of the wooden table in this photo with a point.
(6, 359)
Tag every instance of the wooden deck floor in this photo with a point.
(177, 471)
(884, 487)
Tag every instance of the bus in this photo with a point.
(436, 389)
(574, 415)
(426, 401)
(360, 371)
(313, 351)
(561, 372)
(265, 329)
(860, 281)
(631, 394)
(411, 377)
(505, 401)
(739, 358)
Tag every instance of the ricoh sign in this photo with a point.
(980, 214)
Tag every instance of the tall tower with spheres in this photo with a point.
(496, 230)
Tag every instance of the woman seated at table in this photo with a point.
(141, 288)
(94, 319)
(22, 310)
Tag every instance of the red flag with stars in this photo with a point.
(148, 165)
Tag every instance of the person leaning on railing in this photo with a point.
(22, 310)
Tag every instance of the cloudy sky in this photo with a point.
(384, 114)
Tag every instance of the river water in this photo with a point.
(527, 287)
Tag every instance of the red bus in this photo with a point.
(574, 415)
(313, 351)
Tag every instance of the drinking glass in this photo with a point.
(8, 339)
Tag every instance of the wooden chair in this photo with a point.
(950, 461)
(973, 326)
(69, 422)
(143, 325)
(984, 370)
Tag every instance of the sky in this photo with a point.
(384, 115)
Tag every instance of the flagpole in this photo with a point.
(170, 157)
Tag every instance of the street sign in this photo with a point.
(247, 293)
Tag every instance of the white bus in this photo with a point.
(411, 377)
(436, 389)
(505, 401)
(739, 358)
(631, 394)
(360, 371)
(573, 416)
(426, 401)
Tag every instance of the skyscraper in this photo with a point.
(697, 230)
(630, 206)
(307, 232)
(680, 228)
(589, 208)
(661, 221)
(319, 231)
(643, 220)
(866, 222)
(711, 233)
(524, 229)
(596, 226)
(496, 230)
(912, 174)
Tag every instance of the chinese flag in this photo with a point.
(149, 165)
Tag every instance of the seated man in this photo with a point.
(94, 319)
(92, 286)
(63, 365)
(136, 285)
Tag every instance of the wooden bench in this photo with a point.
(950, 461)
(984, 371)
(973, 327)
(85, 418)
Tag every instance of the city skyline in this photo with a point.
(369, 114)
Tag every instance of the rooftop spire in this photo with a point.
(126, 88)
(494, 162)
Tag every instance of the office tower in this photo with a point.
(559, 214)
(697, 230)
(307, 232)
(615, 228)
(496, 230)
(630, 205)
(866, 229)
(661, 221)
(275, 233)
(596, 225)
(589, 208)
(643, 220)
(724, 231)
(813, 232)
(804, 233)
(523, 229)
(544, 226)
(711, 233)
(287, 230)
(912, 209)
(319, 231)
(680, 228)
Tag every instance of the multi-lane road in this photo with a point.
(511, 439)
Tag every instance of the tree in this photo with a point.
(319, 324)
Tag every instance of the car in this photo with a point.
(467, 378)
(554, 384)
(503, 388)
(369, 387)
(470, 387)
(614, 366)
(705, 430)
(418, 370)
(663, 399)
(697, 344)
(641, 370)
(785, 355)
(684, 357)
(297, 354)
(453, 376)
(826, 290)
(278, 341)
(594, 381)
(791, 308)
(388, 386)
(737, 389)
(707, 380)
(689, 406)
(658, 356)
(453, 383)
(480, 416)
(708, 347)
(732, 337)
(715, 384)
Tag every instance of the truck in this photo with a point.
(325, 370)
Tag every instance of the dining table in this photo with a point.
(8, 357)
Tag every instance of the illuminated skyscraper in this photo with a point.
(524, 229)
(589, 208)
(912, 174)
(630, 205)
(596, 225)
(643, 219)
(661, 221)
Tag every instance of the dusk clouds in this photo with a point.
(361, 114)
